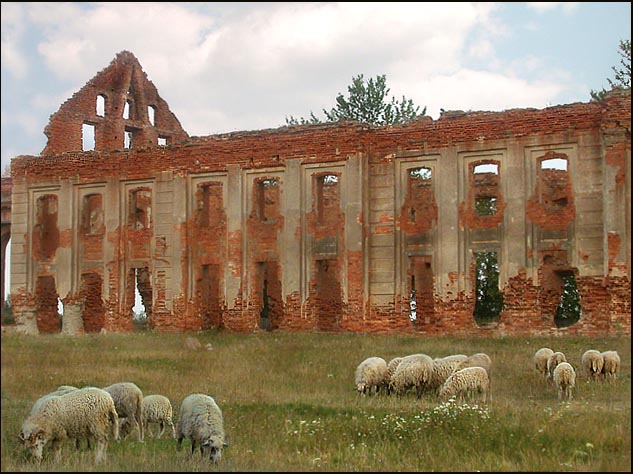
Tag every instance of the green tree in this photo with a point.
(568, 310)
(366, 102)
(622, 78)
(489, 300)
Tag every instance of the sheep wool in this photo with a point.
(469, 382)
(555, 359)
(565, 380)
(370, 375)
(201, 421)
(480, 359)
(391, 369)
(128, 400)
(611, 366)
(61, 390)
(540, 360)
(157, 409)
(414, 370)
(592, 362)
(84, 413)
(443, 367)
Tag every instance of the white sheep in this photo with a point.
(414, 370)
(392, 365)
(443, 367)
(61, 390)
(84, 413)
(540, 360)
(592, 362)
(565, 379)
(156, 409)
(480, 359)
(201, 421)
(370, 375)
(128, 400)
(466, 383)
(611, 365)
(555, 359)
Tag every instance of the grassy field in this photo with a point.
(289, 403)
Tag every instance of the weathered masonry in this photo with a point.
(331, 227)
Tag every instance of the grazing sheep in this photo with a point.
(156, 409)
(128, 400)
(480, 359)
(414, 370)
(555, 359)
(370, 375)
(83, 413)
(611, 365)
(565, 379)
(540, 360)
(443, 367)
(592, 362)
(391, 369)
(466, 383)
(201, 421)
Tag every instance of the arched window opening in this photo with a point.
(151, 111)
(126, 110)
(88, 141)
(100, 106)
(128, 139)
(569, 309)
(328, 198)
(162, 141)
(489, 300)
(554, 164)
(267, 199)
(486, 168)
(486, 184)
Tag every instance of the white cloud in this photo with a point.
(480, 91)
(12, 32)
(542, 7)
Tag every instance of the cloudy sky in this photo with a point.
(223, 67)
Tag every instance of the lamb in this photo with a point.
(370, 375)
(83, 413)
(592, 362)
(565, 379)
(443, 367)
(466, 383)
(156, 409)
(128, 400)
(555, 359)
(414, 370)
(391, 369)
(611, 365)
(201, 421)
(540, 360)
(480, 359)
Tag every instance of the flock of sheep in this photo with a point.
(468, 377)
(457, 375)
(97, 415)
(556, 369)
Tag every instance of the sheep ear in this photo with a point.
(21, 437)
(225, 444)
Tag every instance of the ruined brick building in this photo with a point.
(328, 227)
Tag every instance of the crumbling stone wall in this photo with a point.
(328, 227)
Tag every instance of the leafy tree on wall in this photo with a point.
(622, 78)
(366, 102)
